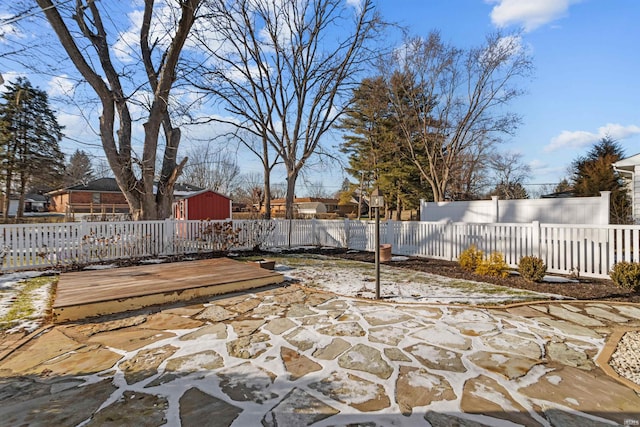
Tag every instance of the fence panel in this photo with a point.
(589, 250)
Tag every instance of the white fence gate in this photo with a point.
(588, 250)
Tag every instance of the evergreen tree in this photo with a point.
(29, 137)
(375, 157)
(594, 173)
(562, 186)
(79, 169)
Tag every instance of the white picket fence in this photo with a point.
(587, 250)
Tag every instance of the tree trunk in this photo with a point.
(291, 194)
(267, 193)
(23, 189)
(7, 199)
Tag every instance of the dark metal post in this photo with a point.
(377, 201)
(377, 256)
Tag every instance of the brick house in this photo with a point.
(101, 196)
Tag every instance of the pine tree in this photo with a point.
(594, 173)
(29, 137)
(375, 157)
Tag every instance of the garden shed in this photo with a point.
(205, 204)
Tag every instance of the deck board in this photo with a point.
(98, 292)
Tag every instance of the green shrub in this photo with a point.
(493, 266)
(470, 258)
(626, 275)
(532, 268)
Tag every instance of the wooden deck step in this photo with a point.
(92, 293)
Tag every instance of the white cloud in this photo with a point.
(530, 14)
(129, 40)
(581, 138)
(8, 30)
(60, 85)
(10, 76)
(356, 4)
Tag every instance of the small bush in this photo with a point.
(532, 268)
(626, 275)
(493, 266)
(470, 258)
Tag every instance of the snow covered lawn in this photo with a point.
(23, 302)
(357, 279)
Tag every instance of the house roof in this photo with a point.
(31, 197)
(102, 185)
(109, 185)
(559, 195)
(628, 164)
(311, 207)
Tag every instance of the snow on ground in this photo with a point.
(11, 286)
(352, 278)
(343, 277)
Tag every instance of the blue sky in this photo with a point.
(585, 84)
(587, 62)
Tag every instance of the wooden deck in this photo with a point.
(92, 293)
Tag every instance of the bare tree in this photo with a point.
(101, 169)
(509, 174)
(85, 32)
(450, 101)
(317, 189)
(250, 190)
(282, 69)
(216, 170)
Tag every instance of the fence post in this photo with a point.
(169, 235)
(496, 208)
(448, 232)
(315, 240)
(346, 233)
(535, 238)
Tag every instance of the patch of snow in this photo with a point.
(352, 278)
(558, 279)
(153, 261)
(100, 267)
(554, 379)
(399, 258)
(423, 379)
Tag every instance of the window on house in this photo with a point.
(95, 198)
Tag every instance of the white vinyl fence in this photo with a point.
(587, 250)
(570, 210)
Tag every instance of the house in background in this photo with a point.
(202, 205)
(33, 203)
(312, 207)
(629, 169)
(101, 196)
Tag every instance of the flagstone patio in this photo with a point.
(293, 356)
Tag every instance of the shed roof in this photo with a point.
(188, 195)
